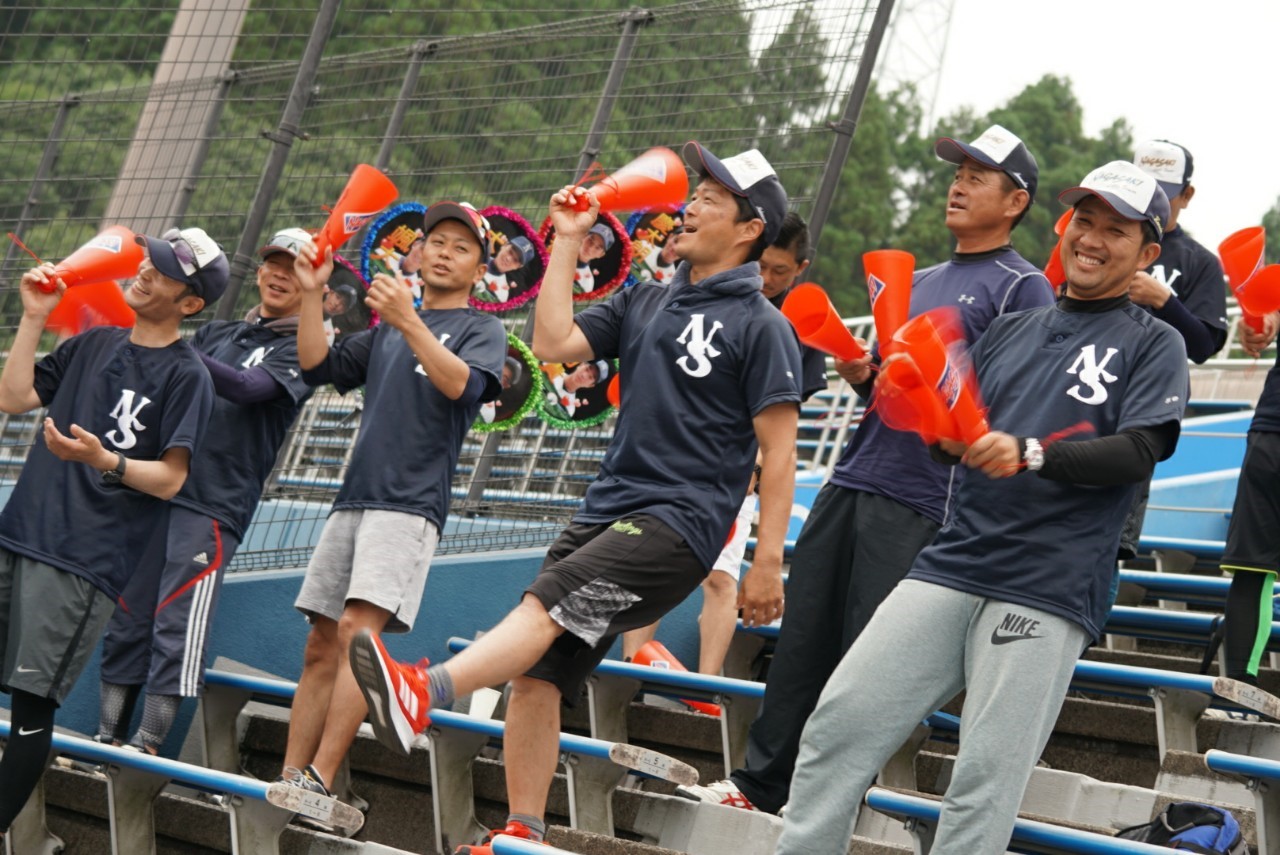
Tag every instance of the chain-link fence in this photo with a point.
(243, 116)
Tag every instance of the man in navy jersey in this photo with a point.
(886, 497)
(1015, 585)
(717, 376)
(425, 376)
(159, 632)
(126, 411)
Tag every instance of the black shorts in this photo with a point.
(598, 581)
(1253, 537)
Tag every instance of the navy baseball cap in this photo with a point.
(191, 257)
(997, 148)
(748, 175)
(1168, 162)
(1127, 190)
(605, 234)
(463, 213)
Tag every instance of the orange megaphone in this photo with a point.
(1261, 294)
(889, 284)
(905, 402)
(99, 304)
(112, 253)
(368, 191)
(1242, 257)
(656, 655)
(655, 179)
(949, 378)
(818, 324)
(1054, 271)
(613, 392)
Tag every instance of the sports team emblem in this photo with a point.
(1093, 374)
(109, 242)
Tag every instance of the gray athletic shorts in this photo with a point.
(50, 621)
(381, 557)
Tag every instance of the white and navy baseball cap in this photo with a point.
(997, 148)
(191, 257)
(463, 213)
(1127, 190)
(288, 241)
(748, 175)
(1167, 162)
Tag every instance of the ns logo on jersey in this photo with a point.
(256, 358)
(697, 341)
(126, 412)
(1093, 374)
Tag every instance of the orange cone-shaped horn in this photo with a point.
(1261, 294)
(111, 254)
(818, 324)
(100, 304)
(613, 392)
(368, 191)
(656, 655)
(905, 402)
(1242, 256)
(655, 179)
(1054, 271)
(920, 338)
(889, 274)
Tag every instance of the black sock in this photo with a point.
(1242, 622)
(27, 754)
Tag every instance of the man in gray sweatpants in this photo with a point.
(1016, 584)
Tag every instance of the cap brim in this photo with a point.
(1170, 190)
(164, 259)
(441, 211)
(704, 162)
(272, 249)
(1073, 196)
(954, 151)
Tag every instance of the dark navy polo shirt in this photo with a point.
(1048, 544)
(1266, 417)
(243, 439)
(698, 363)
(1195, 276)
(410, 433)
(139, 401)
(896, 464)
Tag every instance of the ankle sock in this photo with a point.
(440, 684)
(537, 828)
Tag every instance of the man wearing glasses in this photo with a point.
(126, 410)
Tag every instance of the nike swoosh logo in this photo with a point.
(997, 638)
(22, 731)
(22, 670)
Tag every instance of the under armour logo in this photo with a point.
(418, 368)
(1158, 274)
(965, 298)
(255, 359)
(698, 343)
(1093, 373)
(126, 416)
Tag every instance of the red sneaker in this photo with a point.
(513, 829)
(397, 695)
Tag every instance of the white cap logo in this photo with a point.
(204, 247)
(1162, 161)
(997, 143)
(1125, 181)
(748, 168)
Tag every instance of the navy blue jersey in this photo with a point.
(1267, 415)
(243, 440)
(1195, 276)
(896, 464)
(139, 401)
(813, 363)
(1049, 544)
(698, 363)
(410, 433)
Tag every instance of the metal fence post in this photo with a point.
(420, 51)
(47, 158)
(188, 187)
(299, 95)
(848, 123)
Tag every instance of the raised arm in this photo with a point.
(313, 345)
(18, 379)
(556, 338)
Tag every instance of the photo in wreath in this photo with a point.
(604, 258)
(575, 394)
(653, 257)
(344, 306)
(394, 246)
(517, 260)
(521, 388)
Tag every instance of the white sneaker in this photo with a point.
(724, 792)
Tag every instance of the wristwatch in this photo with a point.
(1032, 454)
(115, 476)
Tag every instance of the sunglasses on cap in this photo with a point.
(182, 251)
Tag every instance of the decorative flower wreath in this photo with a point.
(633, 222)
(381, 230)
(517, 349)
(498, 239)
(374, 318)
(599, 391)
(621, 242)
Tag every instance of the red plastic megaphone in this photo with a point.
(1054, 271)
(905, 402)
(100, 304)
(656, 655)
(889, 274)
(1261, 294)
(368, 191)
(113, 253)
(655, 179)
(949, 379)
(818, 324)
(1242, 257)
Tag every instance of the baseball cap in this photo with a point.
(748, 175)
(289, 241)
(191, 257)
(1127, 190)
(602, 370)
(1167, 162)
(524, 246)
(997, 148)
(463, 213)
(606, 234)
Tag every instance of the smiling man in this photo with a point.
(126, 411)
(718, 375)
(1014, 587)
(159, 633)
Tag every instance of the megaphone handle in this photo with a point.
(322, 246)
(1255, 323)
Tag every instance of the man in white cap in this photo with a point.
(1014, 587)
(158, 636)
(126, 411)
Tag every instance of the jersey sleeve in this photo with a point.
(50, 370)
(1029, 291)
(813, 367)
(602, 323)
(771, 371)
(188, 404)
(282, 364)
(484, 349)
(1158, 384)
(346, 365)
(1205, 296)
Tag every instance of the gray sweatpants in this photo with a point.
(923, 645)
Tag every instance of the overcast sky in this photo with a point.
(1203, 74)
